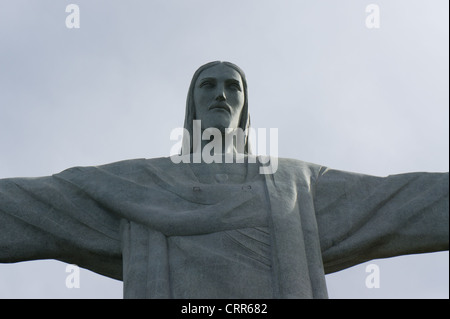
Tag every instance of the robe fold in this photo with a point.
(152, 224)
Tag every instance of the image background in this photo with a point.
(372, 101)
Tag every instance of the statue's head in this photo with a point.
(218, 98)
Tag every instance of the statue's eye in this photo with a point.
(235, 86)
(207, 84)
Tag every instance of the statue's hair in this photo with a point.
(244, 122)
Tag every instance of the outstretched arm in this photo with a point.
(364, 217)
(50, 218)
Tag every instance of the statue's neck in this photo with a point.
(220, 145)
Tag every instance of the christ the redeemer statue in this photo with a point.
(173, 229)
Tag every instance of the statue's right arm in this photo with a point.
(52, 218)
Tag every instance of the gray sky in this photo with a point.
(372, 101)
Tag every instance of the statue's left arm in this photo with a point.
(362, 217)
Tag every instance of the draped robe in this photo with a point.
(165, 233)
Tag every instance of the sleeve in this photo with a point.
(362, 217)
(52, 218)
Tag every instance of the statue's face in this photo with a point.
(219, 97)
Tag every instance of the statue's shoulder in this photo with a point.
(166, 163)
(137, 164)
(296, 164)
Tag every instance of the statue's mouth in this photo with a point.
(220, 106)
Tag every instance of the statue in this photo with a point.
(183, 229)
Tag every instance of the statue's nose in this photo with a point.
(221, 97)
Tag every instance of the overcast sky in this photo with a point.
(372, 101)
